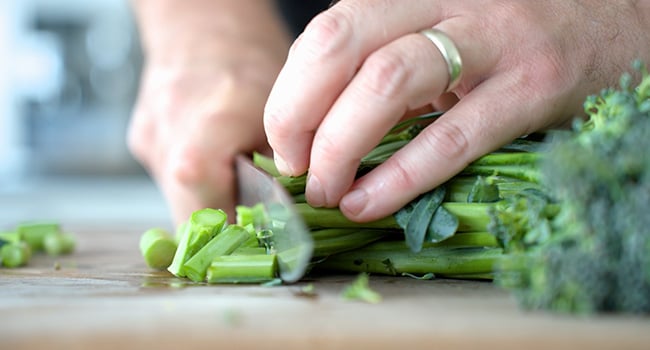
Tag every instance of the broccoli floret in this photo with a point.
(594, 255)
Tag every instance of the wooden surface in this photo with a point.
(104, 297)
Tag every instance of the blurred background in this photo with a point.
(69, 74)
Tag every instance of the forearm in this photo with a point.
(172, 30)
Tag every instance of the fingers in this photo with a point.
(186, 131)
(404, 74)
(475, 126)
(389, 83)
(321, 63)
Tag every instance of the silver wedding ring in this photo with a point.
(449, 53)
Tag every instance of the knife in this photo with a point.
(290, 236)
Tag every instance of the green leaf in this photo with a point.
(484, 190)
(443, 225)
(416, 217)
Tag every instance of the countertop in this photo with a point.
(104, 297)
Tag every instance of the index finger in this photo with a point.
(321, 63)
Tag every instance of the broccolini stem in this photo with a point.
(526, 172)
(222, 244)
(509, 158)
(242, 269)
(459, 187)
(265, 163)
(393, 258)
(157, 247)
(337, 240)
(471, 217)
(15, 254)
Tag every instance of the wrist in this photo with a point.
(195, 30)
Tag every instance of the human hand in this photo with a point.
(209, 67)
(190, 121)
(359, 67)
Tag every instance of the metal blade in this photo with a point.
(291, 237)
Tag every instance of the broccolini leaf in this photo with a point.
(443, 225)
(416, 217)
(484, 190)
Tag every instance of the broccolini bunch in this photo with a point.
(586, 248)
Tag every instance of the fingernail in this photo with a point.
(354, 202)
(282, 166)
(314, 192)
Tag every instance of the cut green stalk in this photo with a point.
(244, 250)
(59, 243)
(222, 244)
(242, 269)
(255, 215)
(9, 237)
(34, 232)
(394, 258)
(15, 254)
(157, 247)
(202, 226)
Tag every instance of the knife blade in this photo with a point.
(290, 236)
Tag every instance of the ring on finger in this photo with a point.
(449, 53)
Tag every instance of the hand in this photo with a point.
(209, 68)
(190, 121)
(362, 65)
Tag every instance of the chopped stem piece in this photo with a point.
(157, 247)
(222, 244)
(242, 269)
(15, 254)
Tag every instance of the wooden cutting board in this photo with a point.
(104, 297)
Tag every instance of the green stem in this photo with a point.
(459, 188)
(394, 258)
(333, 218)
(265, 163)
(222, 244)
(336, 240)
(34, 232)
(522, 172)
(471, 217)
(60, 243)
(509, 158)
(157, 247)
(15, 254)
(202, 226)
(242, 269)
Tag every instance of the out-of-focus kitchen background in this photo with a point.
(69, 74)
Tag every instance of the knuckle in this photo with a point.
(138, 141)
(403, 174)
(187, 166)
(386, 75)
(276, 126)
(329, 150)
(447, 139)
(327, 34)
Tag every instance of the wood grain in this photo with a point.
(104, 297)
